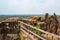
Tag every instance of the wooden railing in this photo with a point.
(32, 33)
(27, 28)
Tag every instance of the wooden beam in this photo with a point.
(32, 33)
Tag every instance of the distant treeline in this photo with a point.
(3, 17)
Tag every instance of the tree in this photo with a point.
(46, 16)
(39, 19)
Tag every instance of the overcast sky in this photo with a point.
(29, 7)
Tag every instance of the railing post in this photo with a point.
(52, 37)
(59, 38)
(47, 36)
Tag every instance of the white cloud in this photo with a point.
(28, 6)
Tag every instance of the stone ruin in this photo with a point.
(51, 23)
(9, 30)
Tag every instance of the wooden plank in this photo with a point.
(32, 33)
(27, 34)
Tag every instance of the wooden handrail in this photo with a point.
(40, 30)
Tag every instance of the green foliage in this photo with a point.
(18, 36)
(36, 31)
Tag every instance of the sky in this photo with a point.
(24, 7)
